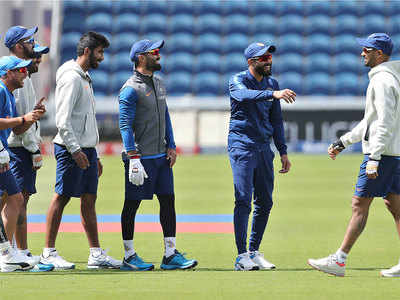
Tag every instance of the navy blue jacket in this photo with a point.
(256, 116)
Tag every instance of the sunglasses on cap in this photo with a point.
(368, 50)
(263, 58)
(23, 70)
(153, 52)
(30, 41)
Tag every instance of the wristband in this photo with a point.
(134, 156)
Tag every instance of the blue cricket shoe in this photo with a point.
(177, 261)
(135, 263)
(42, 268)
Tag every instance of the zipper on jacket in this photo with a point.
(366, 136)
(158, 114)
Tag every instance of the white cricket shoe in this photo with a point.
(245, 263)
(103, 261)
(56, 260)
(260, 261)
(392, 272)
(33, 259)
(14, 261)
(328, 265)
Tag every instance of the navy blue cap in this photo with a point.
(258, 49)
(144, 46)
(17, 33)
(379, 41)
(41, 49)
(12, 62)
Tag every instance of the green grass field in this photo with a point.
(309, 217)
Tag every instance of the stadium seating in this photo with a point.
(179, 83)
(208, 43)
(180, 42)
(318, 62)
(123, 42)
(233, 63)
(236, 24)
(318, 24)
(99, 22)
(181, 23)
(205, 39)
(104, 6)
(290, 62)
(206, 84)
(126, 22)
(209, 23)
(207, 62)
(235, 42)
(153, 23)
(178, 62)
(101, 81)
(264, 24)
(293, 81)
(346, 84)
(118, 80)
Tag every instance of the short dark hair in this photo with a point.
(91, 40)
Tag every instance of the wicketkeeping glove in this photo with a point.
(372, 167)
(37, 160)
(137, 173)
(4, 156)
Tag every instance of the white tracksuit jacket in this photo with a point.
(379, 130)
(75, 108)
(25, 101)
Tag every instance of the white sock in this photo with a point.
(128, 246)
(95, 252)
(341, 256)
(5, 248)
(169, 244)
(47, 251)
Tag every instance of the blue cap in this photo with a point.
(17, 33)
(258, 49)
(12, 62)
(41, 49)
(144, 46)
(379, 41)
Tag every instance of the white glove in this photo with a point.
(37, 161)
(4, 156)
(372, 167)
(137, 173)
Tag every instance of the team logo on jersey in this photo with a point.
(148, 94)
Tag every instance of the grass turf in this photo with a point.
(309, 217)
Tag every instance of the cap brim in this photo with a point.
(157, 45)
(269, 48)
(41, 49)
(364, 43)
(23, 64)
(29, 32)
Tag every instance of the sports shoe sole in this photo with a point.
(128, 268)
(238, 268)
(175, 267)
(64, 268)
(388, 276)
(96, 267)
(318, 269)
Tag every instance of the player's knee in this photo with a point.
(360, 205)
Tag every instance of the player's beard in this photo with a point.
(152, 65)
(93, 61)
(260, 69)
(28, 53)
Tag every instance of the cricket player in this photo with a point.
(78, 167)
(256, 118)
(13, 72)
(379, 174)
(25, 148)
(149, 155)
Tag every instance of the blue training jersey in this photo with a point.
(256, 116)
(7, 110)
